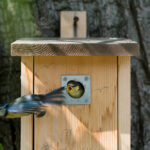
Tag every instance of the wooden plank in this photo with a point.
(26, 88)
(67, 20)
(86, 127)
(75, 47)
(124, 103)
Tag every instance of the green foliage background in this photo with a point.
(1, 147)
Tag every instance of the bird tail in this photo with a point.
(55, 97)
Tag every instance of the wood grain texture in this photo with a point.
(74, 47)
(124, 103)
(67, 20)
(27, 88)
(86, 127)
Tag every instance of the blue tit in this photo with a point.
(31, 104)
(75, 89)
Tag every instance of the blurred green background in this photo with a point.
(1, 147)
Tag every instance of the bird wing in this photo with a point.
(54, 97)
(30, 107)
(35, 103)
(58, 93)
(51, 96)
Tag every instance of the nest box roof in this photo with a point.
(74, 47)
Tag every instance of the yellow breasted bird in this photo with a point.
(75, 89)
(31, 104)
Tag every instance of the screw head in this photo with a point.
(86, 78)
(65, 79)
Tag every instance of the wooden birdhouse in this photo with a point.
(98, 120)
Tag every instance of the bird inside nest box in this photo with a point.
(98, 117)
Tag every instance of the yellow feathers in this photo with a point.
(75, 89)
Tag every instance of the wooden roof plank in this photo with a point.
(75, 47)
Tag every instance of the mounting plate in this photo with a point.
(85, 81)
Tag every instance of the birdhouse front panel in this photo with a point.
(78, 127)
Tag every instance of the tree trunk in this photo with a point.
(109, 18)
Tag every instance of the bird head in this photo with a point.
(3, 110)
(75, 89)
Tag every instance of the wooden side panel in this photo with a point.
(124, 102)
(78, 127)
(67, 20)
(27, 88)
